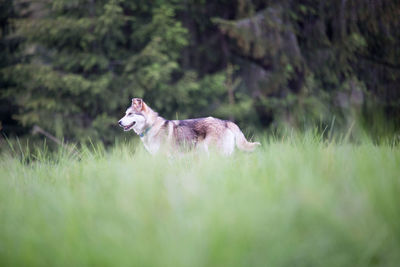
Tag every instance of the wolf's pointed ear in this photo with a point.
(138, 105)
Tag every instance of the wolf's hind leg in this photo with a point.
(228, 143)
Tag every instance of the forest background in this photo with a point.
(72, 66)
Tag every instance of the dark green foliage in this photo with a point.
(71, 67)
(10, 54)
(89, 58)
(314, 60)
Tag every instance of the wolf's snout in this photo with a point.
(120, 123)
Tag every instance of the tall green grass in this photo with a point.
(294, 202)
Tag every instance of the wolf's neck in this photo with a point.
(155, 122)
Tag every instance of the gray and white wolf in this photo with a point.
(170, 136)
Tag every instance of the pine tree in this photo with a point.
(262, 62)
(311, 60)
(9, 56)
(89, 58)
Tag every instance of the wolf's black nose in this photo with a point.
(120, 123)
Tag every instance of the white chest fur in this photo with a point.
(151, 144)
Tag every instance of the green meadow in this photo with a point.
(294, 202)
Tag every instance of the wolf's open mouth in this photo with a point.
(126, 128)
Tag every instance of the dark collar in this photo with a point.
(145, 132)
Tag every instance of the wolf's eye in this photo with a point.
(130, 113)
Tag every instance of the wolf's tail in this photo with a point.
(240, 140)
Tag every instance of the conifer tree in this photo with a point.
(9, 56)
(88, 58)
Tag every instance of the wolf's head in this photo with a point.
(138, 105)
(137, 117)
(133, 121)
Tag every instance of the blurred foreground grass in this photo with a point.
(294, 202)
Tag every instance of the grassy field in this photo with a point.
(295, 202)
